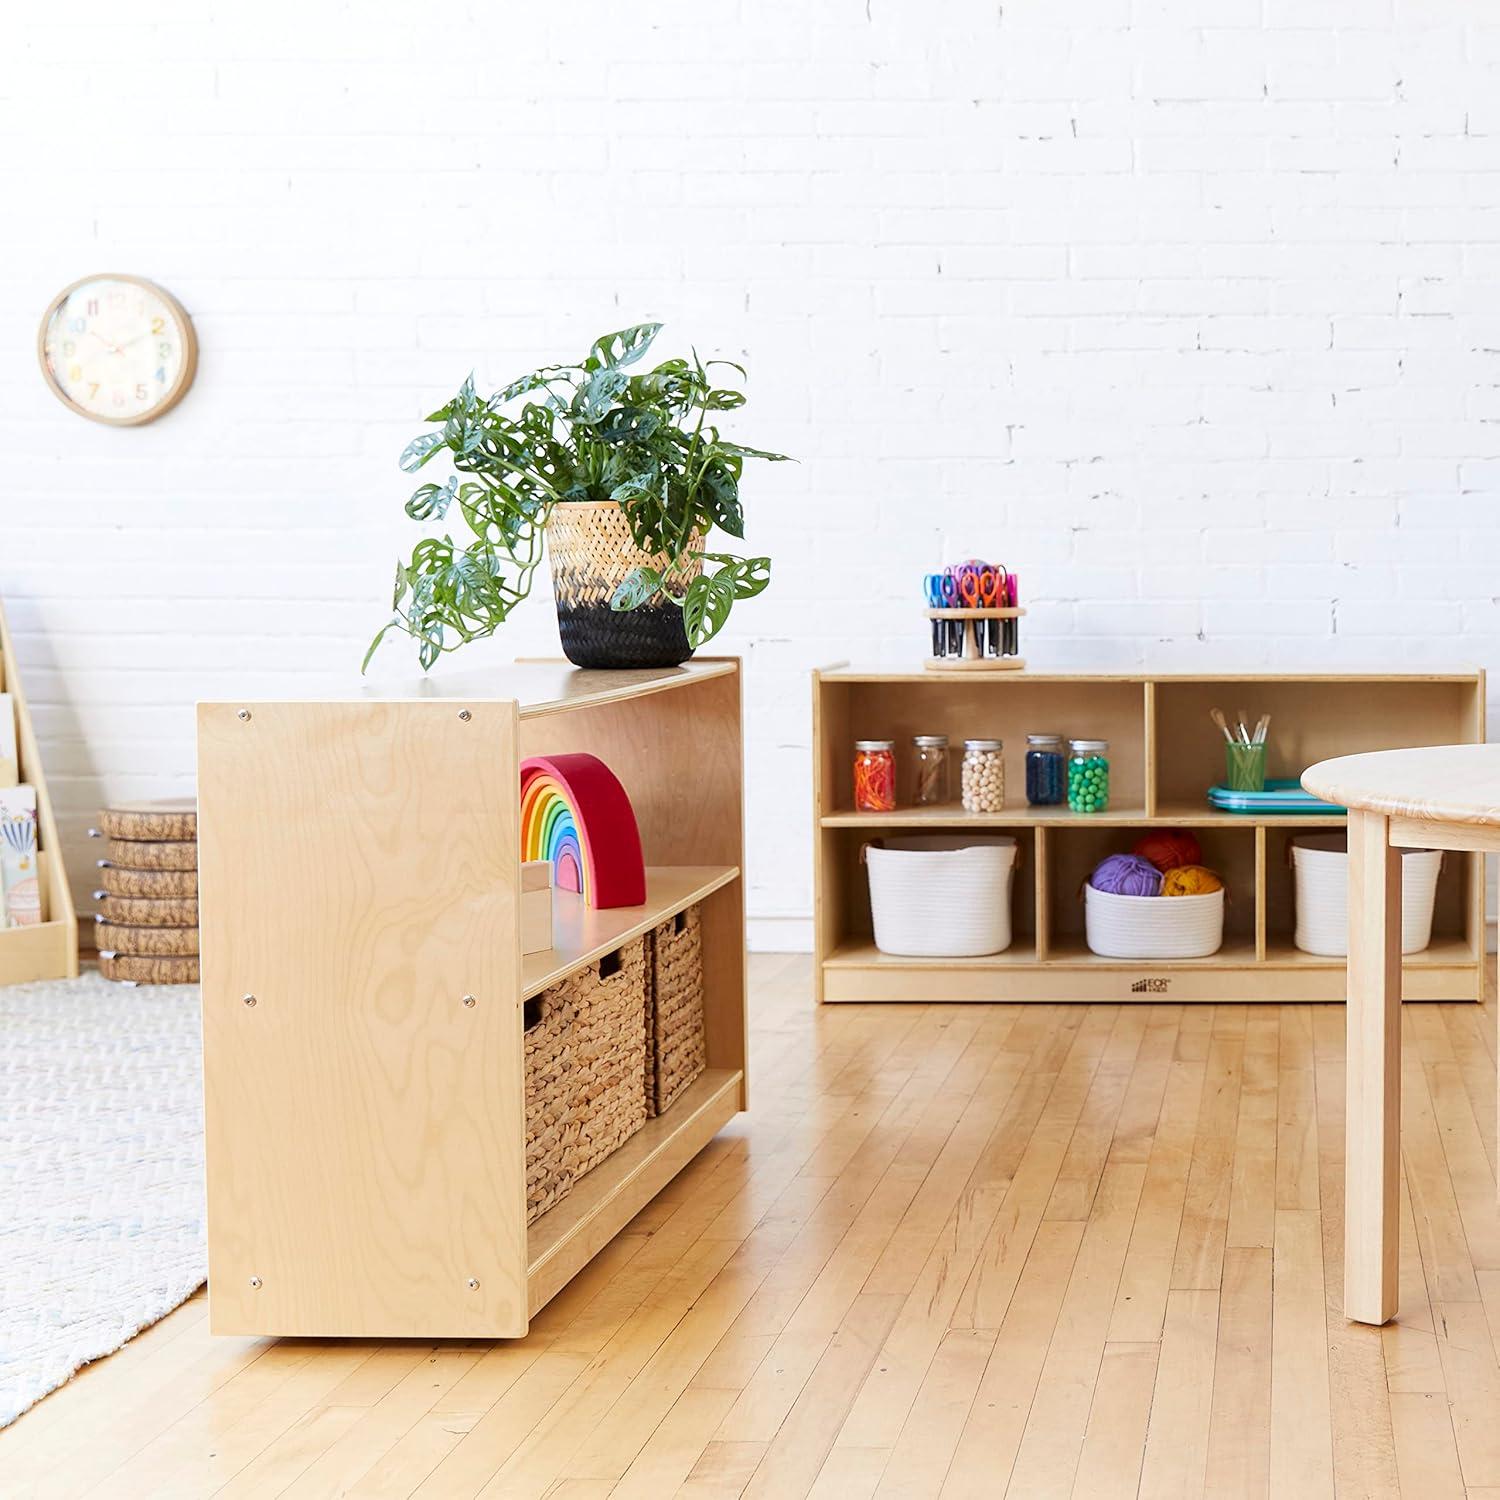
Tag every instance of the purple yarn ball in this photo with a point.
(1126, 875)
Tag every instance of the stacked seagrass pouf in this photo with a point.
(147, 921)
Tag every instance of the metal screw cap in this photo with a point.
(255, 1282)
(473, 1283)
(469, 1001)
(249, 1000)
(465, 715)
(244, 714)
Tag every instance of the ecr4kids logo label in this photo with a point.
(1150, 987)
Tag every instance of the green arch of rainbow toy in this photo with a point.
(575, 813)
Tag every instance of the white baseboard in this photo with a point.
(779, 934)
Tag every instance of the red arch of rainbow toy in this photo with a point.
(575, 813)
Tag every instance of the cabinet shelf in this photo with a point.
(1201, 815)
(1172, 814)
(1443, 952)
(1164, 753)
(581, 933)
(566, 1238)
(954, 815)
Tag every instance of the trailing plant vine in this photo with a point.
(590, 431)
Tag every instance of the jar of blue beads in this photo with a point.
(1046, 770)
(1088, 775)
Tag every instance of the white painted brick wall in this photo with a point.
(1198, 325)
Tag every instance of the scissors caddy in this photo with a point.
(973, 608)
(976, 632)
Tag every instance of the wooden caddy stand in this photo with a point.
(364, 989)
(1164, 753)
(48, 950)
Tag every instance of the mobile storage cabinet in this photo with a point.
(364, 989)
(1164, 754)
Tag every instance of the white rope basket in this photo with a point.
(941, 903)
(1153, 926)
(1321, 878)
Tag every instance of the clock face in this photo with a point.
(117, 349)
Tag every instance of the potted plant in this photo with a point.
(624, 473)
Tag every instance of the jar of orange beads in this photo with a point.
(875, 775)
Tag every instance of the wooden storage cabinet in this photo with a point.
(1164, 752)
(364, 989)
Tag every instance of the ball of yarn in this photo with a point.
(1167, 848)
(1190, 880)
(1126, 875)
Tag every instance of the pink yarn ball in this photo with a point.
(1126, 875)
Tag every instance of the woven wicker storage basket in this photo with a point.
(585, 1073)
(592, 553)
(678, 1045)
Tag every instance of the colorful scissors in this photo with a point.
(935, 585)
(992, 596)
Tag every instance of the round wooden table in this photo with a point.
(1443, 797)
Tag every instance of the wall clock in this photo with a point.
(117, 349)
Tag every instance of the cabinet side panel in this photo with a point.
(360, 871)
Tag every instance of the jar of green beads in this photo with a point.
(1088, 775)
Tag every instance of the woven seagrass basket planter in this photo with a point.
(586, 1059)
(592, 553)
(677, 1040)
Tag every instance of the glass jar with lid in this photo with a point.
(1046, 770)
(875, 775)
(983, 776)
(1088, 775)
(929, 770)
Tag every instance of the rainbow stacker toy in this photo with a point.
(575, 813)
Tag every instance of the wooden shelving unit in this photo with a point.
(359, 867)
(1164, 754)
(48, 950)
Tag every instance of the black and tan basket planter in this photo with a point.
(592, 553)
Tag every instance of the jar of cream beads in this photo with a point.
(1088, 775)
(929, 770)
(1046, 770)
(983, 776)
(875, 775)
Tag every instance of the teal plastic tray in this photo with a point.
(1280, 796)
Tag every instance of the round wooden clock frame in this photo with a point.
(175, 392)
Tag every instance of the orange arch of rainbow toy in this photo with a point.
(575, 813)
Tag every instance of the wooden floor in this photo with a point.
(963, 1251)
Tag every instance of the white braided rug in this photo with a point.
(101, 1172)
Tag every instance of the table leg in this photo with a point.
(1372, 1140)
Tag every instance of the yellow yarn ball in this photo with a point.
(1190, 880)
